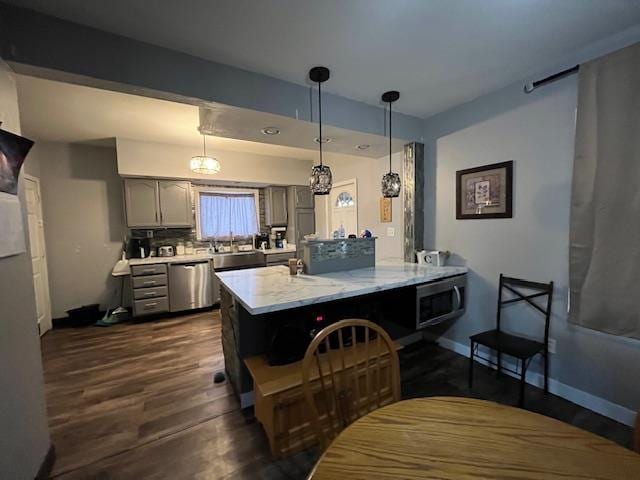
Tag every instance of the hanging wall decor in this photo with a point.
(485, 192)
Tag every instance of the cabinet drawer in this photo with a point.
(148, 269)
(280, 258)
(153, 305)
(149, 281)
(153, 292)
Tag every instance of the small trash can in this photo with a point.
(84, 316)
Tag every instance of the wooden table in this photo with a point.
(464, 438)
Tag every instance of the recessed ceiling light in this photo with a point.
(363, 146)
(270, 131)
(324, 140)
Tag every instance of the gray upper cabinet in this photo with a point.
(302, 196)
(275, 206)
(175, 204)
(142, 203)
(157, 203)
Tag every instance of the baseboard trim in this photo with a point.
(46, 467)
(587, 400)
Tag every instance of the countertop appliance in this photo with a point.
(139, 248)
(190, 286)
(440, 301)
(260, 239)
(166, 251)
(278, 234)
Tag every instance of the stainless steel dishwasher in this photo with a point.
(189, 286)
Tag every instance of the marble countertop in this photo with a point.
(270, 289)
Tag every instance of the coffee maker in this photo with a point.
(278, 235)
(139, 248)
(259, 239)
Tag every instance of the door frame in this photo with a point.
(328, 208)
(42, 329)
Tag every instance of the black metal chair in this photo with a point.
(523, 349)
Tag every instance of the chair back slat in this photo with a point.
(539, 290)
(343, 380)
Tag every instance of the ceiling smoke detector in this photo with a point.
(270, 131)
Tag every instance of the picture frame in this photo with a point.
(485, 192)
(385, 210)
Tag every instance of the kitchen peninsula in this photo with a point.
(266, 310)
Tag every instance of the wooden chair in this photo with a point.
(349, 369)
(523, 349)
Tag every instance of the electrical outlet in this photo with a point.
(391, 232)
(552, 345)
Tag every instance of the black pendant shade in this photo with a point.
(390, 181)
(320, 179)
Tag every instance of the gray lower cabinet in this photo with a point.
(279, 258)
(275, 206)
(157, 203)
(150, 291)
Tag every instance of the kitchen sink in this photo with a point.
(235, 261)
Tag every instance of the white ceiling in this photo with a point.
(437, 53)
(62, 112)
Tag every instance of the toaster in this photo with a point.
(166, 251)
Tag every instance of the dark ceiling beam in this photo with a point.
(32, 40)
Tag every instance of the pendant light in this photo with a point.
(204, 163)
(320, 180)
(390, 181)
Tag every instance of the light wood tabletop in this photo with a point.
(464, 438)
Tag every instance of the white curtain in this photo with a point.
(604, 265)
(223, 215)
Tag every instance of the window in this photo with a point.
(222, 213)
(344, 200)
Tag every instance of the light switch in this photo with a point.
(391, 232)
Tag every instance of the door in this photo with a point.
(142, 202)
(38, 253)
(343, 205)
(175, 204)
(305, 224)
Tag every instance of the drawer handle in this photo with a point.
(148, 270)
(150, 294)
(149, 282)
(150, 305)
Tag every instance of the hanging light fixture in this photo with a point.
(390, 181)
(204, 163)
(320, 180)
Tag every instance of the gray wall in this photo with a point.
(83, 222)
(45, 42)
(537, 132)
(24, 436)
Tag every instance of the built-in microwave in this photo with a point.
(440, 301)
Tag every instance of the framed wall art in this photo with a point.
(485, 192)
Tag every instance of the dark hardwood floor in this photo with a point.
(137, 401)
